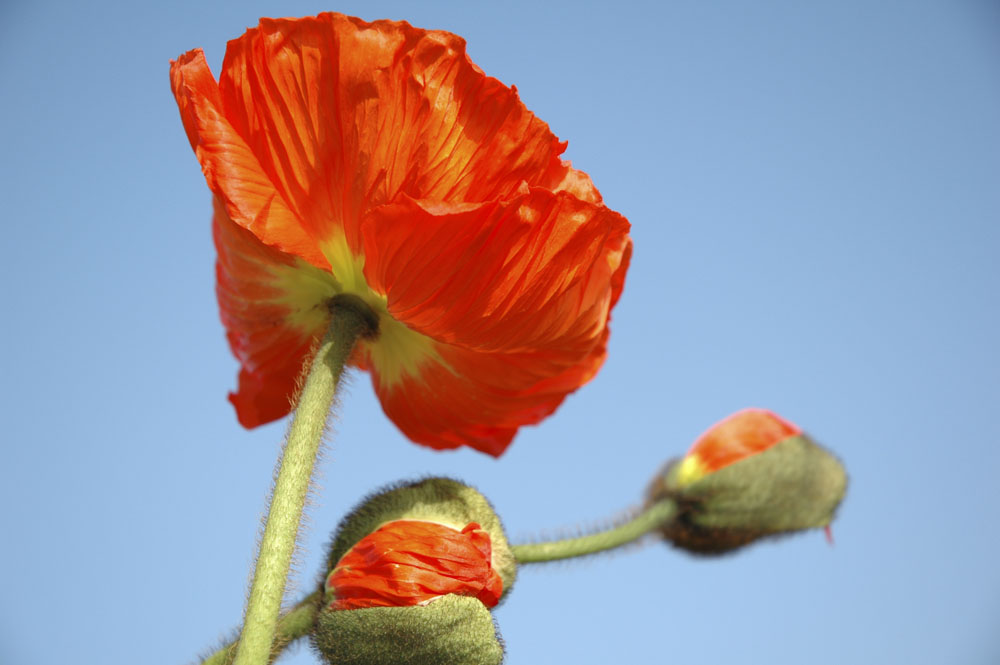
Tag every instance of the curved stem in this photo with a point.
(652, 517)
(347, 323)
(295, 624)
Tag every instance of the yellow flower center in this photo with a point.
(305, 290)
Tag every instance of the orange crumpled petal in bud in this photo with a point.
(736, 437)
(377, 160)
(411, 562)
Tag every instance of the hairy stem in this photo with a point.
(652, 517)
(295, 624)
(347, 323)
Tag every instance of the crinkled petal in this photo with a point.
(344, 115)
(271, 306)
(538, 273)
(233, 173)
(409, 562)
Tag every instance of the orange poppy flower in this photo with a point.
(411, 562)
(736, 437)
(376, 159)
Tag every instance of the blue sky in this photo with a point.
(816, 216)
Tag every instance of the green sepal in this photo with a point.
(451, 630)
(793, 485)
(440, 500)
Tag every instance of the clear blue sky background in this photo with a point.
(814, 195)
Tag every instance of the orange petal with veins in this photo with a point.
(411, 562)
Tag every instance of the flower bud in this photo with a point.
(750, 476)
(413, 572)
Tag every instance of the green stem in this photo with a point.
(297, 623)
(347, 323)
(652, 517)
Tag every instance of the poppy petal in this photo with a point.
(411, 562)
(538, 272)
(735, 437)
(233, 173)
(470, 398)
(344, 115)
(271, 305)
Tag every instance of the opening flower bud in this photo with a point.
(749, 476)
(413, 573)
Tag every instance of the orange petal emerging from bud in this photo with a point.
(736, 437)
(411, 562)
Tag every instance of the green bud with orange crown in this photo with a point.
(412, 575)
(750, 476)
